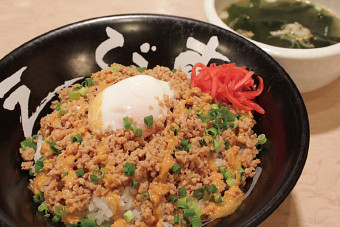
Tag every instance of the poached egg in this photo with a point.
(135, 97)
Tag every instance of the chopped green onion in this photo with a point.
(176, 219)
(28, 143)
(174, 199)
(212, 188)
(185, 221)
(96, 176)
(134, 184)
(129, 169)
(176, 168)
(39, 165)
(137, 131)
(230, 182)
(77, 88)
(215, 106)
(141, 69)
(56, 219)
(148, 121)
(145, 196)
(218, 198)
(212, 131)
(88, 223)
(58, 106)
(217, 146)
(115, 68)
(60, 210)
(65, 174)
(89, 82)
(196, 222)
(175, 128)
(73, 95)
(79, 172)
(198, 193)
(188, 110)
(42, 207)
(129, 216)
(174, 70)
(185, 142)
(54, 149)
(72, 225)
(262, 139)
(126, 121)
(30, 172)
(182, 192)
(39, 197)
(76, 138)
(83, 91)
(226, 144)
(198, 110)
(182, 203)
(61, 113)
(241, 171)
(188, 212)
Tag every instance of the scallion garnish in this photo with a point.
(89, 82)
(54, 149)
(182, 192)
(79, 172)
(137, 131)
(83, 91)
(129, 216)
(212, 132)
(56, 219)
(87, 223)
(175, 128)
(262, 139)
(198, 110)
(174, 70)
(176, 219)
(76, 138)
(96, 176)
(134, 184)
(176, 168)
(182, 203)
(65, 174)
(73, 95)
(141, 69)
(218, 198)
(148, 121)
(185, 142)
(28, 143)
(212, 188)
(231, 182)
(226, 144)
(60, 210)
(145, 196)
(215, 106)
(39, 164)
(217, 146)
(196, 222)
(174, 199)
(188, 212)
(198, 193)
(129, 169)
(241, 172)
(126, 121)
(39, 197)
(115, 68)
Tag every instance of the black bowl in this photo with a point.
(31, 73)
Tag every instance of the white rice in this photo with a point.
(100, 210)
(126, 199)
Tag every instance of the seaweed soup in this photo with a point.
(283, 23)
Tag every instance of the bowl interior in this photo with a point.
(30, 73)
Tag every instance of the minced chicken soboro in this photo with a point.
(184, 173)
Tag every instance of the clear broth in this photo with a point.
(309, 25)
